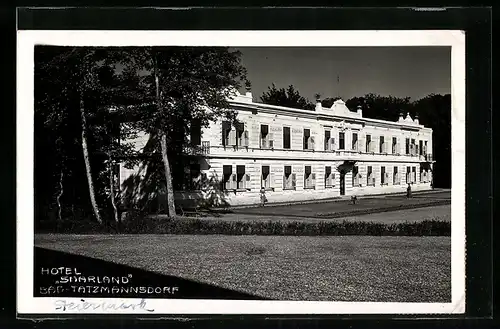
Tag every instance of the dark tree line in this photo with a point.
(434, 111)
(83, 94)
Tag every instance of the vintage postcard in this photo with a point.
(240, 172)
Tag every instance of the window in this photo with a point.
(289, 182)
(370, 178)
(381, 145)
(195, 132)
(195, 177)
(412, 147)
(308, 140)
(395, 145)
(309, 178)
(266, 178)
(425, 147)
(327, 140)
(407, 146)
(395, 177)
(420, 147)
(233, 137)
(408, 175)
(241, 135)
(383, 176)
(354, 141)
(341, 141)
(242, 179)
(228, 178)
(422, 175)
(226, 130)
(414, 174)
(356, 177)
(328, 177)
(286, 137)
(266, 138)
(368, 143)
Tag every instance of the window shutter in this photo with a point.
(271, 140)
(294, 183)
(245, 138)
(332, 144)
(270, 177)
(311, 146)
(233, 181)
(232, 138)
(313, 178)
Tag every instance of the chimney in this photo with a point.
(248, 88)
(318, 102)
(359, 110)
(416, 119)
(400, 116)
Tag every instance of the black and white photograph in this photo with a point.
(242, 172)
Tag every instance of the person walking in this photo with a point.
(408, 191)
(263, 198)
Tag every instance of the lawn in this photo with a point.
(350, 268)
(442, 213)
(368, 204)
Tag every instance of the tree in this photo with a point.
(185, 84)
(73, 86)
(289, 97)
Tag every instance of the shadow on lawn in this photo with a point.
(148, 284)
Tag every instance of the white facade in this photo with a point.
(299, 155)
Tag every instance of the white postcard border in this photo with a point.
(27, 39)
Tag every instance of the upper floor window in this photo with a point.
(381, 145)
(234, 137)
(354, 141)
(286, 138)
(413, 149)
(266, 138)
(407, 149)
(420, 147)
(195, 132)
(341, 140)
(384, 176)
(308, 140)
(368, 143)
(395, 148)
(425, 148)
(327, 140)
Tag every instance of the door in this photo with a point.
(342, 183)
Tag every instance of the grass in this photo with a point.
(361, 268)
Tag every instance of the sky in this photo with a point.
(350, 71)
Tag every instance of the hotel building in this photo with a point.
(299, 155)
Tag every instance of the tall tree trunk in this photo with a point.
(87, 161)
(168, 175)
(164, 154)
(61, 191)
(112, 189)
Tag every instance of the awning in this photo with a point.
(227, 170)
(264, 129)
(265, 170)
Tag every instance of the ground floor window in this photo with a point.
(408, 175)
(370, 177)
(356, 177)
(235, 181)
(289, 179)
(309, 178)
(384, 176)
(266, 177)
(329, 177)
(395, 177)
(414, 175)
